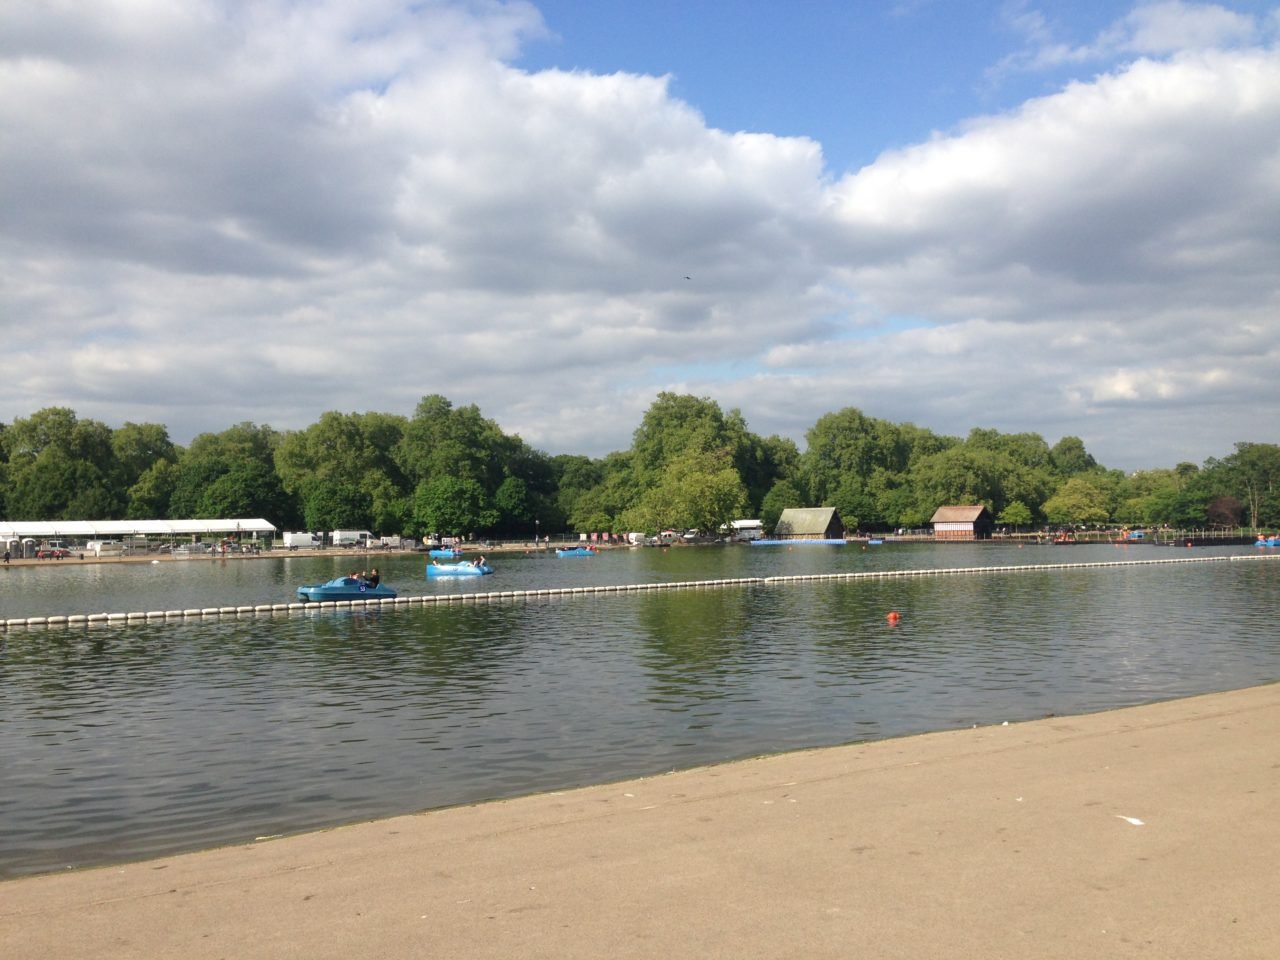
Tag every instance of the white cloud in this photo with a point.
(1160, 28)
(216, 212)
(1126, 225)
(1172, 26)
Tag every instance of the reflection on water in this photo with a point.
(123, 741)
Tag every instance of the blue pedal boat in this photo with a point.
(468, 568)
(345, 588)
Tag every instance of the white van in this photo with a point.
(305, 541)
(351, 538)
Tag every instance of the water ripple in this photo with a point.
(130, 740)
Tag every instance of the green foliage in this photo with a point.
(856, 505)
(452, 506)
(850, 444)
(783, 495)
(515, 507)
(60, 466)
(1253, 474)
(1147, 497)
(441, 441)
(691, 465)
(1068, 457)
(673, 426)
(576, 478)
(150, 496)
(677, 427)
(959, 475)
(783, 456)
(336, 505)
(989, 468)
(232, 474)
(247, 488)
(343, 472)
(895, 502)
(139, 446)
(697, 491)
(1017, 514)
(594, 493)
(1084, 498)
(1025, 449)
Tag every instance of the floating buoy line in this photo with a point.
(312, 608)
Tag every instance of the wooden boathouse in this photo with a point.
(970, 522)
(809, 523)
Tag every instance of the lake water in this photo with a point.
(121, 741)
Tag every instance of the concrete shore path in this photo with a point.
(1146, 832)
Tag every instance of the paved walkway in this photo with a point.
(1150, 832)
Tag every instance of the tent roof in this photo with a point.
(130, 528)
(805, 521)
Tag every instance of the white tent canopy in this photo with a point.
(111, 529)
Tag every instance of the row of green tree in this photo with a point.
(691, 465)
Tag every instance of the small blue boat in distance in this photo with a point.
(444, 552)
(467, 568)
(575, 552)
(345, 588)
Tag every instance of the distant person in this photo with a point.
(6, 558)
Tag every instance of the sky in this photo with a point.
(1053, 218)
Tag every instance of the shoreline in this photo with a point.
(78, 560)
(1145, 831)
(515, 547)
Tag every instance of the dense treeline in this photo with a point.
(448, 470)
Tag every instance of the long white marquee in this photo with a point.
(109, 529)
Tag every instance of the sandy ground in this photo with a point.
(1147, 832)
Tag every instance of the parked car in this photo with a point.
(52, 553)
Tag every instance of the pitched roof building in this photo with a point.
(970, 522)
(809, 523)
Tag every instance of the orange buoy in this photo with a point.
(893, 616)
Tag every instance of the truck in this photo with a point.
(304, 541)
(351, 538)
